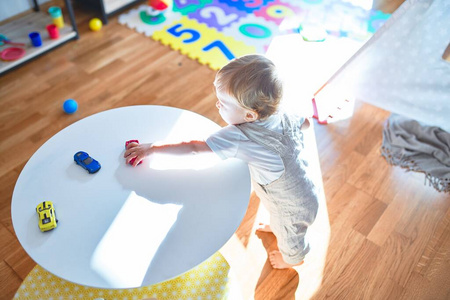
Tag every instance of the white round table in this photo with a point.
(126, 227)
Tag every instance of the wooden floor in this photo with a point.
(387, 235)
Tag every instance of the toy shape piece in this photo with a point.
(156, 7)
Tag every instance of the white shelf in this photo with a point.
(17, 31)
(113, 5)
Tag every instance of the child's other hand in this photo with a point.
(138, 151)
(305, 124)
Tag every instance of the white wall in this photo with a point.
(9, 8)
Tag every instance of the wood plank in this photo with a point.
(371, 172)
(436, 244)
(435, 282)
(20, 262)
(390, 217)
(9, 281)
(417, 241)
(344, 245)
(369, 216)
(283, 284)
(334, 179)
(9, 243)
(354, 280)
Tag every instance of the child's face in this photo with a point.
(230, 110)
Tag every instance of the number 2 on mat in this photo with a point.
(222, 48)
(219, 14)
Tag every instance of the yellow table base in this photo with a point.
(208, 280)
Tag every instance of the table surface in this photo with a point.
(126, 227)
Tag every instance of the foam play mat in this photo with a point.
(216, 31)
(209, 280)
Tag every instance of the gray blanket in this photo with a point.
(411, 145)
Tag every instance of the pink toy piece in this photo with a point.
(13, 53)
(277, 11)
(126, 144)
(157, 4)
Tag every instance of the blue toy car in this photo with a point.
(84, 160)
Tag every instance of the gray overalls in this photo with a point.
(292, 200)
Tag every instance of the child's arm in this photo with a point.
(140, 151)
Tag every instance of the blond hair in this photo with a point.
(253, 81)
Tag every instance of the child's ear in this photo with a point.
(251, 116)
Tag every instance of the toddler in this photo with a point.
(271, 142)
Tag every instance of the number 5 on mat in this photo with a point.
(178, 31)
(195, 35)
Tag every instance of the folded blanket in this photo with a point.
(420, 148)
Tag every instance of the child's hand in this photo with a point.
(138, 151)
(305, 124)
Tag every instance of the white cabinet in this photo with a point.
(110, 7)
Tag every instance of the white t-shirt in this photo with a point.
(229, 142)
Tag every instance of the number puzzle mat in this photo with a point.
(216, 31)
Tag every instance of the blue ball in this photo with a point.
(70, 106)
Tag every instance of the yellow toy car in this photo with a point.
(47, 216)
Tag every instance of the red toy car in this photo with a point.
(126, 144)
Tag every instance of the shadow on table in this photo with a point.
(172, 221)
